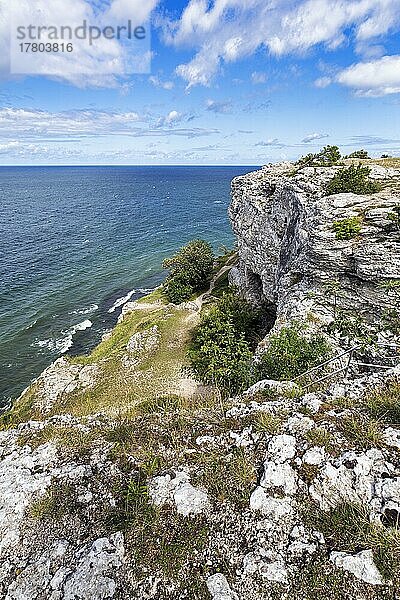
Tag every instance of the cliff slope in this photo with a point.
(121, 477)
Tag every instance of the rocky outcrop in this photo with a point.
(289, 257)
(61, 377)
(140, 345)
(179, 492)
(59, 512)
(55, 562)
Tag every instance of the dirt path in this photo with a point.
(200, 299)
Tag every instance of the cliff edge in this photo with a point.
(121, 477)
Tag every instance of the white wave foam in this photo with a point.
(86, 324)
(124, 299)
(121, 301)
(31, 325)
(62, 344)
(85, 311)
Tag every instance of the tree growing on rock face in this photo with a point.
(189, 269)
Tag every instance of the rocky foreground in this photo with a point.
(121, 477)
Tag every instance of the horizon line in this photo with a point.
(132, 165)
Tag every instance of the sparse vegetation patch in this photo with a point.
(159, 539)
(384, 403)
(290, 353)
(354, 179)
(348, 528)
(347, 229)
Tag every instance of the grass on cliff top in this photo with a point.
(118, 388)
(158, 539)
(347, 528)
(383, 403)
(393, 163)
(121, 387)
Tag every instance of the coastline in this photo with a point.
(87, 237)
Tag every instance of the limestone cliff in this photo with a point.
(289, 256)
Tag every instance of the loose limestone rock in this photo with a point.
(278, 509)
(219, 588)
(94, 575)
(361, 565)
(90, 573)
(278, 475)
(279, 387)
(354, 477)
(178, 490)
(282, 447)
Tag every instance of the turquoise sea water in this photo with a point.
(77, 242)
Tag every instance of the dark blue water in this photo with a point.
(75, 241)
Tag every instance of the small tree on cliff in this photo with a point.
(327, 157)
(355, 179)
(221, 349)
(358, 154)
(189, 269)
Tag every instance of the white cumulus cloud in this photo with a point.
(224, 31)
(312, 137)
(104, 63)
(374, 78)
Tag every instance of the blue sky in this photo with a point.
(230, 82)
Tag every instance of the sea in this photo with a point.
(76, 243)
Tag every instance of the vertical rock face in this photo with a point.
(289, 255)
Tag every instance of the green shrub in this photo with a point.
(363, 154)
(190, 270)
(177, 288)
(290, 353)
(353, 179)
(220, 356)
(220, 352)
(346, 229)
(328, 156)
(241, 314)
